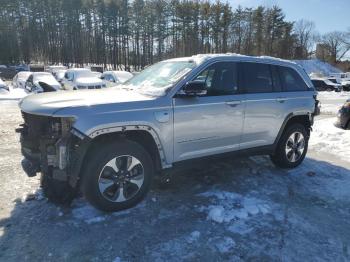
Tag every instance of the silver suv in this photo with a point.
(110, 143)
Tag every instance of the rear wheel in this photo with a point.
(292, 147)
(118, 175)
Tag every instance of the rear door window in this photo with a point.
(291, 80)
(257, 78)
(277, 86)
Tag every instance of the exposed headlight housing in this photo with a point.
(61, 125)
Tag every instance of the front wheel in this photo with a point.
(292, 147)
(118, 175)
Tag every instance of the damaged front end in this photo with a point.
(51, 146)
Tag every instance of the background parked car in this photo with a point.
(32, 84)
(116, 77)
(54, 68)
(81, 78)
(19, 81)
(7, 72)
(59, 74)
(326, 85)
(346, 84)
(36, 68)
(3, 85)
(344, 115)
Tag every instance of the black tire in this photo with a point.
(279, 158)
(97, 160)
(347, 126)
(58, 192)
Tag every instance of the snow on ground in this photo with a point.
(333, 95)
(329, 138)
(228, 206)
(330, 109)
(317, 66)
(332, 101)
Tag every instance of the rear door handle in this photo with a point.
(233, 103)
(281, 99)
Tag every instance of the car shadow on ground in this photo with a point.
(232, 209)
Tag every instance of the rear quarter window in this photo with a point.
(291, 80)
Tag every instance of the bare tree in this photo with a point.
(337, 44)
(306, 36)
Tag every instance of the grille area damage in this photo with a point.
(47, 145)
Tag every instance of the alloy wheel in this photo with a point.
(295, 147)
(121, 178)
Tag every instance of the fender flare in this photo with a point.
(286, 120)
(121, 129)
(87, 140)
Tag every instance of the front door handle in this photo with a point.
(233, 103)
(281, 99)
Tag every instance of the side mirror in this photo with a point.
(195, 88)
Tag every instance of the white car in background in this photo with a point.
(32, 83)
(19, 81)
(116, 77)
(3, 85)
(59, 74)
(81, 78)
(55, 68)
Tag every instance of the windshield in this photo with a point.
(84, 73)
(23, 75)
(158, 78)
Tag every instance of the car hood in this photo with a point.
(51, 102)
(88, 81)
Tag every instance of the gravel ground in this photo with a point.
(234, 209)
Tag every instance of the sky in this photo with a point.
(328, 15)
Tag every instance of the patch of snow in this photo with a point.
(240, 227)
(88, 214)
(194, 236)
(326, 137)
(225, 244)
(333, 95)
(95, 220)
(329, 109)
(117, 259)
(228, 206)
(217, 214)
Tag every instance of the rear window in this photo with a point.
(291, 80)
(257, 78)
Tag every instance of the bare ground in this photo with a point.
(234, 209)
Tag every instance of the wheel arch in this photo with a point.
(139, 134)
(304, 119)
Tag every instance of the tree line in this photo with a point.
(133, 34)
